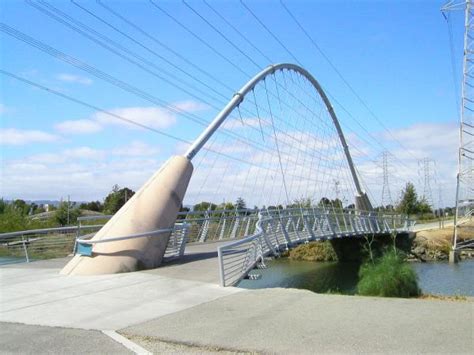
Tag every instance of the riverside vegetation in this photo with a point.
(384, 270)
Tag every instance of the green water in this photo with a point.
(434, 278)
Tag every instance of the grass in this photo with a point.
(389, 276)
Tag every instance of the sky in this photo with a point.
(394, 54)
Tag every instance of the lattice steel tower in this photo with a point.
(427, 176)
(386, 194)
(465, 176)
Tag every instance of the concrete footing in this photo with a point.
(154, 206)
(453, 257)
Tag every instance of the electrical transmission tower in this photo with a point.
(465, 176)
(427, 177)
(386, 194)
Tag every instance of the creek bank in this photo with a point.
(425, 246)
(348, 249)
(435, 245)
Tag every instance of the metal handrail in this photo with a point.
(131, 236)
(45, 231)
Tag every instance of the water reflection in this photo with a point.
(317, 277)
(434, 278)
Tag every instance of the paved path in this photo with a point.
(29, 339)
(288, 321)
(181, 303)
(432, 225)
(35, 293)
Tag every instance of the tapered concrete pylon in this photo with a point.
(362, 203)
(154, 206)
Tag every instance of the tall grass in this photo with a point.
(388, 276)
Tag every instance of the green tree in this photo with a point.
(204, 206)
(116, 199)
(92, 206)
(66, 214)
(21, 206)
(423, 206)
(240, 204)
(3, 206)
(226, 206)
(409, 201)
(301, 203)
(12, 219)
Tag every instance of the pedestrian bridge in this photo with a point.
(277, 145)
(238, 240)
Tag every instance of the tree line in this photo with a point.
(21, 215)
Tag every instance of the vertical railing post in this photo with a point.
(25, 249)
(184, 233)
(220, 260)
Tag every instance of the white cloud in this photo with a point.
(433, 140)
(191, 106)
(68, 155)
(69, 78)
(154, 117)
(136, 148)
(78, 126)
(13, 136)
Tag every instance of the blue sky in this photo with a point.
(394, 54)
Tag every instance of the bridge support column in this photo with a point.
(362, 202)
(453, 256)
(154, 206)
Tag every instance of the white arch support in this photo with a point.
(362, 200)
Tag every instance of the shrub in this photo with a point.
(388, 276)
(314, 251)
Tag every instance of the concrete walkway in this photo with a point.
(30, 339)
(182, 305)
(288, 321)
(35, 293)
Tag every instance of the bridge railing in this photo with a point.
(63, 241)
(277, 230)
(284, 227)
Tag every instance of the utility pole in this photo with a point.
(68, 206)
(386, 194)
(465, 175)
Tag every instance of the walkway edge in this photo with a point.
(130, 345)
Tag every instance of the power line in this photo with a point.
(187, 29)
(107, 43)
(96, 72)
(359, 98)
(148, 49)
(163, 45)
(294, 57)
(228, 23)
(116, 116)
(106, 77)
(91, 106)
(221, 34)
(269, 31)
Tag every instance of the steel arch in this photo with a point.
(239, 97)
